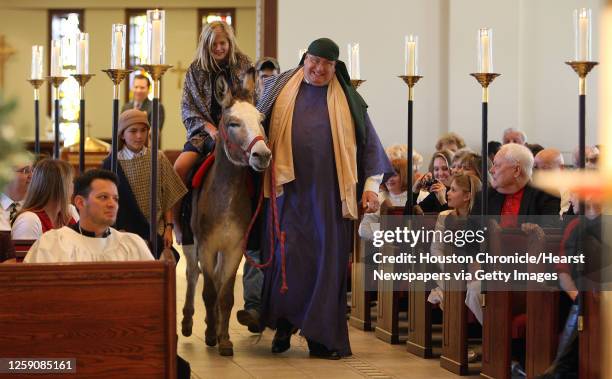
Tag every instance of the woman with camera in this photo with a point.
(436, 182)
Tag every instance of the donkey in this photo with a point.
(222, 210)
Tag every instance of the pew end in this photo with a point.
(117, 319)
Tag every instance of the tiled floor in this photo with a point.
(252, 358)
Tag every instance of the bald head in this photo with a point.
(548, 159)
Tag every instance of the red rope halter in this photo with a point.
(273, 222)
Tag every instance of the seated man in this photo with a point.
(512, 135)
(551, 159)
(14, 193)
(92, 238)
(512, 194)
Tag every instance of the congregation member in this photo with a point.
(512, 135)
(394, 194)
(324, 146)
(47, 204)
(548, 160)
(512, 194)
(92, 238)
(11, 199)
(400, 151)
(492, 149)
(435, 182)
(462, 195)
(134, 171)
(252, 277)
(265, 68)
(217, 55)
(591, 157)
(140, 101)
(450, 141)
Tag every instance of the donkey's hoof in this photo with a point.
(226, 349)
(186, 327)
(210, 341)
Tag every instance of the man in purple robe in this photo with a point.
(327, 155)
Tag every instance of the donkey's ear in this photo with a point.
(223, 95)
(248, 82)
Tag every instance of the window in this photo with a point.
(137, 48)
(208, 15)
(65, 25)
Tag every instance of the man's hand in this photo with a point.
(369, 202)
(211, 129)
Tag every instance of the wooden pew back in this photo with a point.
(117, 319)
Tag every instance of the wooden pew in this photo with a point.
(361, 299)
(387, 321)
(117, 319)
(497, 310)
(419, 309)
(21, 248)
(455, 325)
(501, 306)
(543, 318)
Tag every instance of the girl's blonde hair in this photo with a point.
(205, 45)
(469, 183)
(51, 183)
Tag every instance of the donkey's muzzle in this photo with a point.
(260, 157)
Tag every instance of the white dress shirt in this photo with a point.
(5, 211)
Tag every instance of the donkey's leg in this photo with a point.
(208, 260)
(231, 261)
(192, 274)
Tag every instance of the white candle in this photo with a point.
(37, 61)
(583, 34)
(485, 55)
(410, 55)
(605, 91)
(56, 58)
(82, 52)
(354, 69)
(118, 47)
(156, 22)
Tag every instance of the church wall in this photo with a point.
(537, 92)
(22, 29)
(24, 24)
(381, 39)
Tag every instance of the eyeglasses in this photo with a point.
(324, 62)
(27, 170)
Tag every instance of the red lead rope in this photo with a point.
(273, 229)
(276, 230)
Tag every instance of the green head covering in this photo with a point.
(328, 49)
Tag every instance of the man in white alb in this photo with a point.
(92, 238)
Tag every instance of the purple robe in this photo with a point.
(319, 239)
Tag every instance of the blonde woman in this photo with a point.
(47, 204)
(436, 182)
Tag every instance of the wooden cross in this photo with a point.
(181, 72)
(5, 52)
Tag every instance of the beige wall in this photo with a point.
(24, 23)
(537, 92)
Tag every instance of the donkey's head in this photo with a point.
(242, 134)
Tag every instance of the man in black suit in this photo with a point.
(512, 193)
(140, 101)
